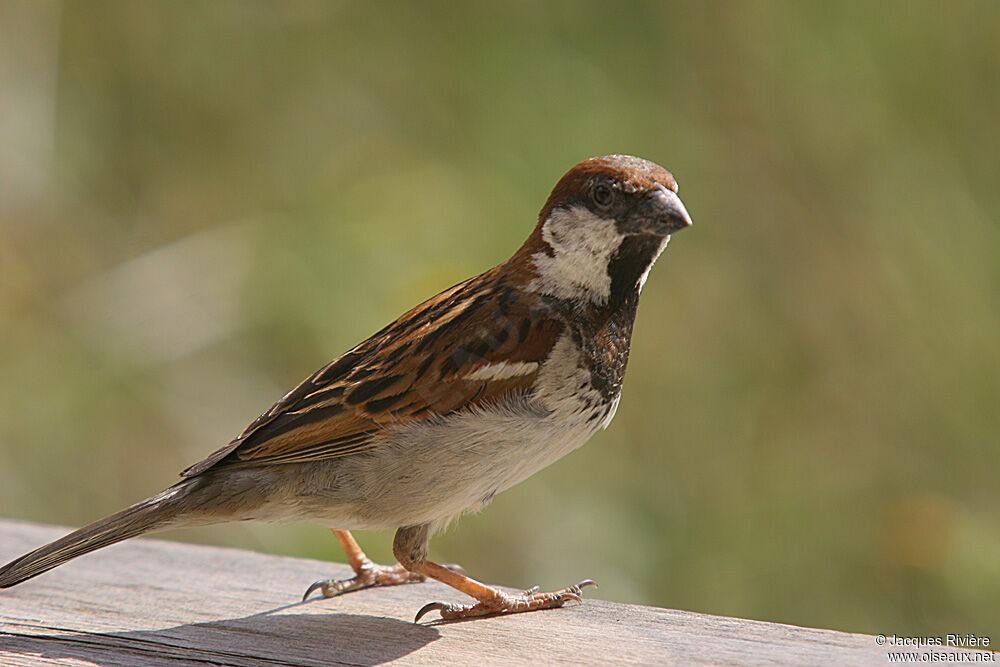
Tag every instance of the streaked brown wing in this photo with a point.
(470, 345)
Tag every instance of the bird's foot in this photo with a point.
(369, 574)
(505, 603)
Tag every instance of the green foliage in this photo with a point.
(204, 202)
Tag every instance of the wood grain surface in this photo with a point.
(152, 602)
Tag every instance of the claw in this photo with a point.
(312, 587)
(367, 575)
(504, 603)
(427, 608)
(330, 588)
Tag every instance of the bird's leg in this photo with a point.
(410, 548)
(366, 572)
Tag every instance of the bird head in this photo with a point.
(602, 228)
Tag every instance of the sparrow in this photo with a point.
(460, 398)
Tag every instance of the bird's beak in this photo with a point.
(672, 211)
(661, 214)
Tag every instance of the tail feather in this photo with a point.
(150, 514)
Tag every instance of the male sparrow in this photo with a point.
(460, 398)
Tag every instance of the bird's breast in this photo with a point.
(433, 470)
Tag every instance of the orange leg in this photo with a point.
(410, 547)
(366, 572)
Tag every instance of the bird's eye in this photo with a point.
(603, 195)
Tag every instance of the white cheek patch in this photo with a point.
(582, 244)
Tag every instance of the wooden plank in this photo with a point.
(151, 602)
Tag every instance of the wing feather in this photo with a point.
(473, 344)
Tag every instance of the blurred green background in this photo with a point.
(202, 203)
